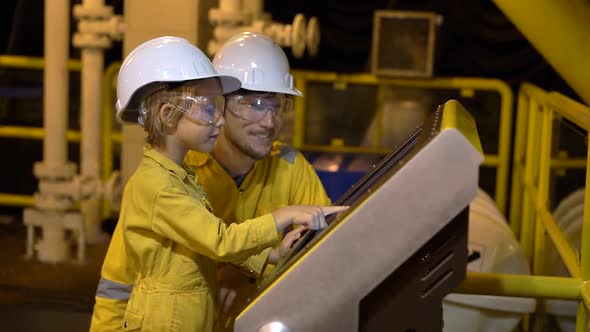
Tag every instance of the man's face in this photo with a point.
(253, 121)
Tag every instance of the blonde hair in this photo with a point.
(149, 110)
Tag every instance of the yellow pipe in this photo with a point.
(542, 198)
(585, 249)
(117, 138)
(516, 191)
(521, 286)
(39, 133)
(107, 118)
(562, 163)
(563, 42)
(33, 133)
(533, 91)
(516, 201)
(491, 160)
(526, 234)
(570, 109)
(299, 109)
(564, 248)
(378, 133)
(543, 187)
(16, 200)
(25, 62)
(581, 318)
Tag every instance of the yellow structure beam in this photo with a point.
(559, 30)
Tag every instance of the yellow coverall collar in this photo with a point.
(181, 171)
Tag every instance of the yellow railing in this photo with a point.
(466, 86)
(36, 133)
(530, 217)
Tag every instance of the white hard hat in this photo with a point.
(159, 61)
(259, 63)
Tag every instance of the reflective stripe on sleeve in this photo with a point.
(109, 289)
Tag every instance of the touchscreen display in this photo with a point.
(355, 195)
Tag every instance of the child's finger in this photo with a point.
(327, 210)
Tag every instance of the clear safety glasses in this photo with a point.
(204, 110)
(254, 107)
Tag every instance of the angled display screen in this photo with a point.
(355, 195)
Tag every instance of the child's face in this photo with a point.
(195, 133)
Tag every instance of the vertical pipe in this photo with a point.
(91, 142)
(585, 249)
(91, 128)
(542, 204)
(582, 320)
(517, 189)
(299, 109)
(91, 106)
(526, 234)
(56, 82)
(543, 186)
(504, 147)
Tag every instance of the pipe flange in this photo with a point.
(85, 11)
(112, 27)
(66, 171)
(91, 40)
(218, 16)
(312, 39)
(298, 34)
(52, 202)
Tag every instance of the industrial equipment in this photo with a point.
(386, 263)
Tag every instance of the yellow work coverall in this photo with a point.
(284, 178)
(159, 273)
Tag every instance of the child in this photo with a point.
(167, 240)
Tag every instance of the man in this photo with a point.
(244, 176)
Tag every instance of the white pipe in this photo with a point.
(91, 105)
(255, 7)
(91, 129)
(229, 5)
(56, 82)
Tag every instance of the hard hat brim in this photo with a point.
(292, 92)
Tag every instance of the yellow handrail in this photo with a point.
(16, 200)
(34, 133)
(36, 63)
(501, 161)
(37, 133)
(530, 217)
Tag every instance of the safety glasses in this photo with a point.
(205, 110)
(254, 107)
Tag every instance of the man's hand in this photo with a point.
(230, 279)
